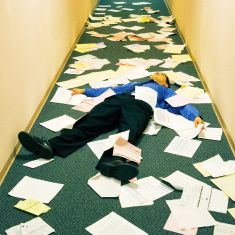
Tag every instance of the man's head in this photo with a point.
(161, 79)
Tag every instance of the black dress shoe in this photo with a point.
(119, 170)
(36, 145)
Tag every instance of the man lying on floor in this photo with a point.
(121, 111)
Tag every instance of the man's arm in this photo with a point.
(93, 92)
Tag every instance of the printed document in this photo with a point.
(183, 147)
(204, 197)
(142, 192)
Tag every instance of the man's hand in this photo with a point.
(77, 91)
(198, 120)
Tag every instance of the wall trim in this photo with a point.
(206, 88)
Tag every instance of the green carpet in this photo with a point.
(77, 205)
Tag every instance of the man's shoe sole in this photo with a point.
(122, 171)
(30, 144)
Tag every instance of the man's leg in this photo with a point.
(102, 118)
(135, 115)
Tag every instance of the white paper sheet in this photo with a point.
(115, 225)
(57, 124)
(99, 146)
(152, 128)
(142, 192)
(36, 226)
(41, 190)
(140, 3)
(216, 167)
(224, 229)
(190, 217)
(179, 180)
(183, 147)
(204, 197)
(211, 133)
(202, 99)
(146, 94)
(171, 225)
(85, 79)
(178, 100)
(64, 96)
(37, 162)
(105, 186)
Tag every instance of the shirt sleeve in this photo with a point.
(127, 88)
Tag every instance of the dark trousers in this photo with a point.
(123, 112)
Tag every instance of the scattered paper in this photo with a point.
(115, 225)
(226, 184)
(216, 167)
(86, 47)
(99, 146)
(59, 123)
(181, 58)
(201, 169)
(123, 148)
(146, 94)
(105, 186)
(152, 128)
(140, 3)
(211, 133)
(192, 92)
(41, 190)
(142, 192)
(85, 79)
(37, 162)
(137, 48)
(64, 96)
(171, 225)
(32, 206)
(190, 217)
(183, 147)
(178, 100)
(179, 180)
(232, 212)
(177, 49)
(222, 229)
(204, 98)
(36, 226)
(204, 197)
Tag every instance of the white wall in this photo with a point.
(208, 28)
(35, 38)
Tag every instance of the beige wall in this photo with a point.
(208, 28)
(35, 38)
